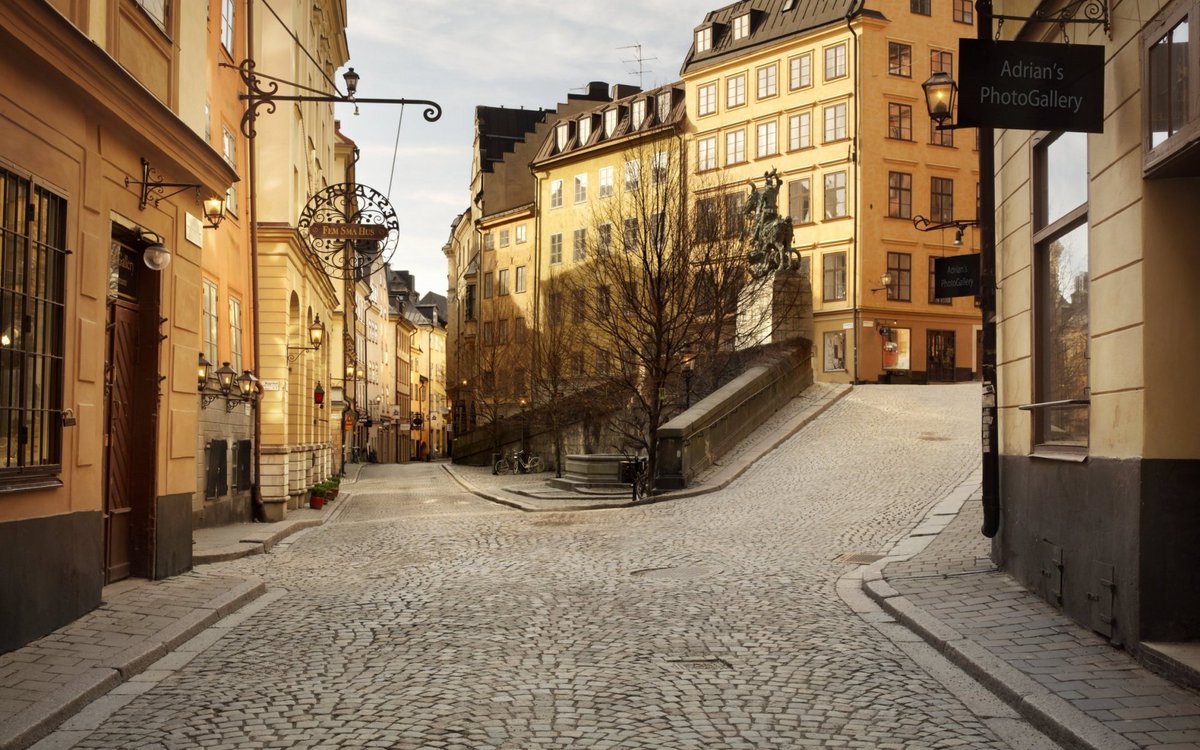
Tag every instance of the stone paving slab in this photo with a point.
(1067, 680)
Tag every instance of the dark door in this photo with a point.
(940, 354)
(120, 468)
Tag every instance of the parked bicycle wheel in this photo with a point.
(502, 466)
(535, 465)
(641, 487)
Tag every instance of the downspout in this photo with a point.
(855, 8)
(256, 500)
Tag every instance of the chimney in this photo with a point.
(597, 90)
(622, 90)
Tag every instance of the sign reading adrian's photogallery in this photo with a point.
(1031, 86)
(956, 276)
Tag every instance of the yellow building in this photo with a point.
(837, 108)
(1097, 342)
(98, 366)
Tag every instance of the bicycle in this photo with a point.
(636, 471)
(518, 462)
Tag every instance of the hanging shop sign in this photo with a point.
(353, 229)
(1031, 85)
(956, 277)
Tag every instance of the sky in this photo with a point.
(511, 53)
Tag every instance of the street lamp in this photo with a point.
(688, 366)
(316, 336)
(214, 212)
(885, 281)
(940, 93)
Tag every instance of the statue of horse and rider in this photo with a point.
(770, 234)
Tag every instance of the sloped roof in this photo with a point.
(769, 23)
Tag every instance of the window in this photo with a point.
(900, 59)
(897, 348)
(766, 142)
(489, 333)
(504, 237)
(835, 195)
(941, 199)
(800, 71)
(229, 148)
(941, 61)
(921, 6)
(658, 166)
(611, 117)
(33, 233)
(227, 15)
(899, 265)
(556, 194)
(835, 62)
(708, 99)
(502, 331)
(554, 308)
(735, 146)
(606, 182)
(520, 233)
(664, 107)
(209, 316)
(604, 239)
(1061, 285)
(900, 121)
(800, 130)
(964, 11)
(835, 351)
(639, 112)
(603, 363)
(519, 334)
(833, 271)
(633, 175)
(704, 39)
(708, 219)
(216, 468)
(768, 85)
(900, 195)
(235, 334)
(488, 285)
(933, 298)
(469, 305)
(520, 279)
(585, 130)
(706, 154)
(556, 247)
(940, 137)
(157, 10)
(1172, 104)
(735, 90)
(735, 220)
(603, 301)
(577, 364)
(502, 282)
(578, 306)
(562, 136)
(741, 26)
(835, 122)
(242, 462)
(800, 200)
(489, 241)
(631, 237)
(579, 245)
(580, 188)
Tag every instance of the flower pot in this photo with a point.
(316, 502)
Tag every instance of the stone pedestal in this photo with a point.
(780, 311)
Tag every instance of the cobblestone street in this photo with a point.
(423, 616)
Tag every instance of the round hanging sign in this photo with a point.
(352, 228)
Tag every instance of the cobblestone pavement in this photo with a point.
(424, 617)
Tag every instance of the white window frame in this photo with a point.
(768, 81)
(800, 72)
(835, 122)
(611, 118)
(581, 187)
(735, 91)
(579, 244)
(741, 26)
(839, 61)
(606, 182)
(639, 113)
(767, 139)
(800, 130)
(706, 153)
(707, 96)
(704, 39)
(556, 193)
(735, 146)
(556, 248)
(633, 175)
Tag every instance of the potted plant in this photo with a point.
(316, 497)
(331, 487)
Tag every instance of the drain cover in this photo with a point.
(861, 558)
(698, 663)
(683, 572)
(927, 436)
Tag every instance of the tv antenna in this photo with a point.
(641, 71)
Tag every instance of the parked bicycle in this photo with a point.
(518, 462)
(635, 470)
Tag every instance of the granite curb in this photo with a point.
(40, 719)
(1038, 705)
(719, 480)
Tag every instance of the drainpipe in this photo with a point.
(256, 500)
(987, 300)
(854, 9)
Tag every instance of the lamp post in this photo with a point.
(688, 366)
(940, 94)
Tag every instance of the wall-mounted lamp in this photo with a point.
(155, 253)
(316, 335)
(248, 385)
(940, 93)
(203, 370)
(214, 212)
(319, 396)
(152, 182)
(885, 281)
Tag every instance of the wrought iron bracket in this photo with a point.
(206, 399)
(152, 182)
(921, 224)
(233, 403)
(259, 95)
(1094, 12)
(293, 352)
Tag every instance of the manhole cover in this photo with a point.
(861, 558)
(682, 572)
(697, 663)
(934, 438)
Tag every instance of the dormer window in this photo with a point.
(788, 4)
(562, 134)
(610, 122)
(585, 130)
(704, 39)
(639, 113)
(741, 26)
(664, 107)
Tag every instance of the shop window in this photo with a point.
(835, 351)
(1171, 51)
(897, 347)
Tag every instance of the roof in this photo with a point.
(769, 23)
(432, 299)
(501, 129)
(625, 126)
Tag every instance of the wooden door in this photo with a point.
(120, 467)
(940, 357)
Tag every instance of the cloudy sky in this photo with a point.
(510, 53)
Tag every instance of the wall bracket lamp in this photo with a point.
(885, 280)
(154, 189)
(921, 224)
(316, 335)
(227, 377)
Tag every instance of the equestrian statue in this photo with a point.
(770, 234)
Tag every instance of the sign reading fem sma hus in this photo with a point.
(1031, 86)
